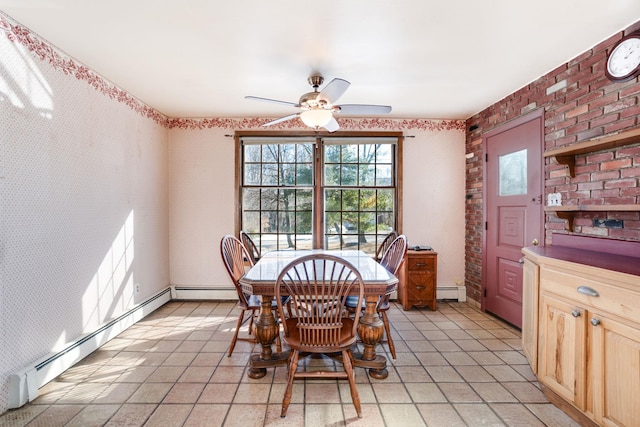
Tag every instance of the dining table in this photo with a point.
(261, 279)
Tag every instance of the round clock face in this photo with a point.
(624, 60)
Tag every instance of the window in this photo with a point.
(318, 192)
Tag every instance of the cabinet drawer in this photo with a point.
(420, 263)
(612, 298)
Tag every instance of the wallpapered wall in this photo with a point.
(83, 207)
(100, 194)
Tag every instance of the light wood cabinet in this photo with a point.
(588, 333)
(418, 280)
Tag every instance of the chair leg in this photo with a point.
(235, 334)
(347, 360)
(387, 329)
(293, 367)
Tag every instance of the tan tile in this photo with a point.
(207, 359)
(169, 415)
(365, 391)
(277, 392)
(21, 416)
(197, 374)
(444, 374)
(321, 392)
(246, 415)
(93, 415)
(512, 357)
(136, 374)
(391, 392)
(440, 415)
(486, 358)
(504, 373)
(207, 415)
(150, 393)
(179, 359)
(493, 392)
(425, 392)
(153, 358)
(371, 416)
(184, 393)
(477, 414)
(401, 415)
(83, 393)
(551, 415)
(413, 374)
(218, 393)
(456, 358)
(57, 415)
(459, 392)
(117, 393)
(252, 393)
(166, 374)
(321, 415)
(515, 414)
(526, 392)
(432, 359)
(227, 374)
(474, 374)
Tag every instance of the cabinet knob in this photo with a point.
(420, 287)
(521, 260)
(575, 313)
(594, 321)
(421, 264)
(535, 242)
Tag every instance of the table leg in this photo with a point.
(371, 330)
(266, 330)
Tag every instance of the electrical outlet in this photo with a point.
(554, 199)
(137, 288)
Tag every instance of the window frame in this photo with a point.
(318, 230)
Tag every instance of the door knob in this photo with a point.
(535, 242)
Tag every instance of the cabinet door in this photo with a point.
(615, 371)
(562, 348)
(530, 313)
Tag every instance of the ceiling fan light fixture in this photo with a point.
(316, 118)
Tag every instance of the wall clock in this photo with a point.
(623, 62)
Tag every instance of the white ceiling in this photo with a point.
(446, 59)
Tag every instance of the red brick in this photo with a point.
(615, 164)
(596, 185)
(606, 175)
(589, 134)
(620, 125)
(621, 183)
(600, 157)
(630, 172)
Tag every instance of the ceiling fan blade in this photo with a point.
(281, 119)
(274, 101)
(332, 126)
(363, 109)
(333, 90)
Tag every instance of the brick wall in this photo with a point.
(579, 104)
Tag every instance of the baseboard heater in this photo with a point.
(24, 385)
(452, 292)
(198, 293)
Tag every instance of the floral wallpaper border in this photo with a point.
(69, 66)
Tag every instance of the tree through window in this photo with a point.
(318, 192)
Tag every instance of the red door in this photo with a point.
(513, 213)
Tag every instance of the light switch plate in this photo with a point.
(554, 199)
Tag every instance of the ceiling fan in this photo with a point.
(318, 107)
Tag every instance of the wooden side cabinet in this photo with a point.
(418, 280)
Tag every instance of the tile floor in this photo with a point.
(455, 367)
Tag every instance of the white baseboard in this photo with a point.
(187, 293)
(24, 385)
(458, 293)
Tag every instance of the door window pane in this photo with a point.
(513, 173)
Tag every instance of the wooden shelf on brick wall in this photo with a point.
(568, 211)
(567, 155)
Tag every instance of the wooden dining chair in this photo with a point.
(384, 245)
(391, 260)
(318, 285)
(250, 245)
(235, 256)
